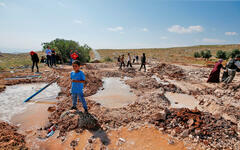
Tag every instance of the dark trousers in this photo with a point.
(53, 61)
(49, 61)
(133, 61)
(142, 65)
(33, 64)
(129, 64)
(122, 64)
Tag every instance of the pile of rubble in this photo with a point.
(200, 74)
(143, 83)
(213, 131)
(131, 72)
(171, 71)
(9, 138)
(72, 119)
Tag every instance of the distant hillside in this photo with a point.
(8, 60)
(173, 55)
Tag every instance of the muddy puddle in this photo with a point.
(141, 139)
(13, 110)
(181, 100)
(114, 94)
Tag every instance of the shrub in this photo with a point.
(206, 54)
(233, 53)
(197, 55)
(221, 54)
(108, 59)
(64, 47)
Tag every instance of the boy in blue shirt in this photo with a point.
(78, 79)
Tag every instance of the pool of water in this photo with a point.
(114, 94)
(11, 100)
(181, 100)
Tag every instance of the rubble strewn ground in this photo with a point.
(216, 126)
(9, 138)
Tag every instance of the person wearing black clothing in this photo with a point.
(137, 58)
(42, 59)
(143, 62)
(35, 60)
(53, 57)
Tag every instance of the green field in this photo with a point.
(183, 55)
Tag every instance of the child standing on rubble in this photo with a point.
(78, 79)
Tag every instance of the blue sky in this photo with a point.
(25, 24)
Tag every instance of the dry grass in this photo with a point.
(183, 55)
(15, 60)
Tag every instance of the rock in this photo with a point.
(74, 143)
(160, 116)
(190, 122)
(170, 141)
(90, 140)
(185, 133)
(51, 108)
(122, 140)
(197, 131)
(173, 133)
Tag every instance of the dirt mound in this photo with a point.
(202, 127)
(200, 74)
(129, 71)
(71, 120)
(9, 138)
(96, 61)
(171, 71)
(143, 83)
(111, 74)
(138, 112)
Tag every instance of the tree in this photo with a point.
(65, 47)
(206, 54)
(234, 53)
(221, 54)
(197, 55)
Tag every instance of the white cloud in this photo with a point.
(230, 33)
(208, 40)
(2, 4)
(115, 29)
(163, 37)
(144, 29)
(77, 21)
(182, 30)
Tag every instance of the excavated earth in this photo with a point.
(216, 126)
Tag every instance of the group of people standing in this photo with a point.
(121, 61)
(51, 57)
(231, 68)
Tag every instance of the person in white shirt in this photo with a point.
(232, 67)
(129, 63)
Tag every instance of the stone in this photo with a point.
(74, 143)
(90, 140)
(185, 133)
(160, 116)
(51, 108)
(190, 122)
(170, 141)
